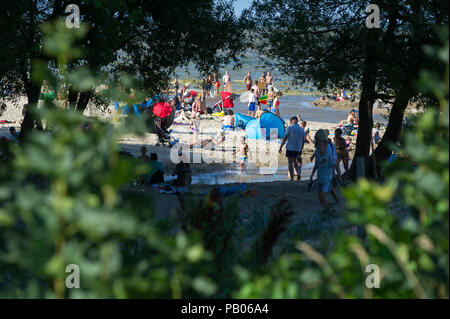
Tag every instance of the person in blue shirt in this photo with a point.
(324, 166)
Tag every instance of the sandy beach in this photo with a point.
(219, 168)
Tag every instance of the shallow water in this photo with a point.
(292, 105)
(251, 175)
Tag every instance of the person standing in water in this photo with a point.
(270, 97)
(248, 81)
(244, 153)
(269, 80)
(176, 85)
(226, 79)
(256, 91)
(262, 83)
(216, 84)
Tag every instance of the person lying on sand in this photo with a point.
(244, 152)
(210, 142)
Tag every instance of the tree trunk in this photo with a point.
(30, 118)
(83, 100)
(368, 91)
(72, 99)
(393, 130)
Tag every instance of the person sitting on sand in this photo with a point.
(144, 157)
(248, 81)
(294, 136)
(376, 139)
(13, 134)
(348, 144)
(324, 166)
(352, 119)
(156, 172)
(228, 121)
(341, 149)
(259, 112)
(275, 108)
(183, 173)
(308, 138)
(197, 108)
(244, 153)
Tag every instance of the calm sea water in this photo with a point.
(300, 104)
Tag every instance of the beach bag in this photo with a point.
(209, 110)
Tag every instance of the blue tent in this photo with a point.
(268, 121)
(244, 118)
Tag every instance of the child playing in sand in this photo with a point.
(341, 149)
(324, 167)
(244, 152)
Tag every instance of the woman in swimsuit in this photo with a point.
(341, 149)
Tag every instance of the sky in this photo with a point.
(240, 5)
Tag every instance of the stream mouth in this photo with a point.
(252, 174)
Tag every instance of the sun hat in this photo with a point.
(321, 135)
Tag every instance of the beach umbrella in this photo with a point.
(162, 109)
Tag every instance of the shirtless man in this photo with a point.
(226, 79)
(262, 83)
(244, 152)
(248, 81)
(353, 119)
(269, 80)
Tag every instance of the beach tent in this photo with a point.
(227, 100)
(269, 125)
(244, 118)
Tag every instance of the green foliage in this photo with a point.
(405, 224)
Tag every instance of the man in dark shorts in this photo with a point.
(293, 139)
